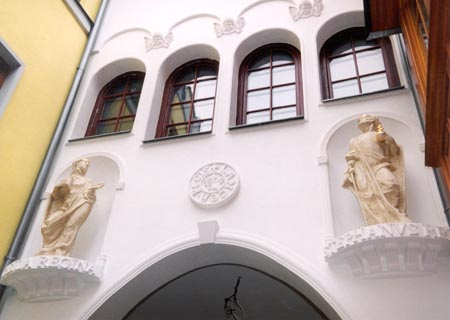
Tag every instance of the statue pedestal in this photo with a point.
(391, 250)
(51, 278)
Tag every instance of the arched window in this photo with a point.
(189, 98)
(352, 65)
(116, 105)
(270, 86)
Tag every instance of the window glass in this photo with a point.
(342, 68)
(257, 117)
(280, 57)
(374, 83)
(269, 80)
(284, 113)
(282, 75)
(353, 65)
(205, 89)
(345, 88)
(189, 107)
(116, 105)
(283, 96)
(257, 100)
(370, 61)
(258, 79)
(260, 62)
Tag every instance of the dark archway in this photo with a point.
(192, 284)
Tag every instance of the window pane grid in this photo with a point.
(356, 60)
(374, 47)
(189, 121)
(116, 112)
(272, 67)
(361, 76)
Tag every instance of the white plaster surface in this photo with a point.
(288, 204)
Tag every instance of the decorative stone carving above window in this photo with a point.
(229, 26)
(214, 185)
(51, 278)
(391, 250)
(157, 40)
(306, 9)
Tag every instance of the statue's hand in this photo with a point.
(98, 186)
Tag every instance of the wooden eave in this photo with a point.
(382, 17)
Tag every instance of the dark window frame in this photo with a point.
(5, 70)
(102, 97)
(164, 116)
(351, 35)
(241, 114)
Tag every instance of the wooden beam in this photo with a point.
(437, 83)
(382, 17)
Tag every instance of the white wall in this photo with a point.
(286, 206)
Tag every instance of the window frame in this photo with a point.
(352, 35)
(11, 77)
(164, 114)
(241, 114)
(99, 104)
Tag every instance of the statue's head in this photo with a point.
(367, 123)
(81, 166)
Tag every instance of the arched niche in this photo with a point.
(173, 61)
(338, 23)
(254, 41)
(421, 194)
(103, 168)
(187, 261)
(96, 83)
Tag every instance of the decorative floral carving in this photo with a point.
(157, 40)
(213, 185)
(229, 26)
(306, 9)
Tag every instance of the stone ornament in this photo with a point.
(229, 26)
(157, 40)
(391, 249)
(306, 9)
(213, 185)
(375, 173)
(69, 205)
(51, 278)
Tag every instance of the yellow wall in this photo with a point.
(91, 7)
(49, 42)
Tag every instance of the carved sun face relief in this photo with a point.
(213, 185)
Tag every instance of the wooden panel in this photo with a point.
(437, 84)
(416, 51)
(384, 14)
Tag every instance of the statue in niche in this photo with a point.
(68, 207)
(375, 173)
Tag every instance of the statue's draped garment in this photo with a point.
(376, 178)
(69, 205)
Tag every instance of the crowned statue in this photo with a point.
(376, 173)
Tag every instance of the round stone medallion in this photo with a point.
(213, 185)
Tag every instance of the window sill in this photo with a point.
(363, 95)
(260, 124)
(100, 136)
(177, 137)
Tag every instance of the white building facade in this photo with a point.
(189, 205)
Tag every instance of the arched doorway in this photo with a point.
(193, 283)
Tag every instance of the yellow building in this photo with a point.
(41, 44)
